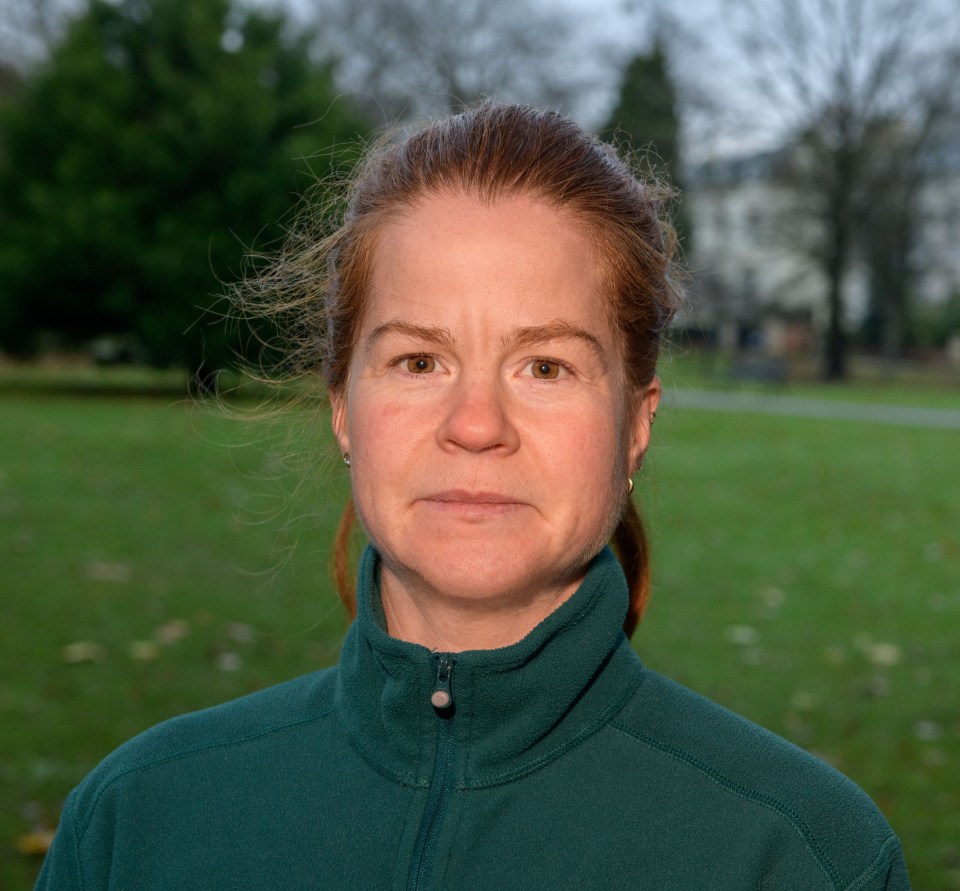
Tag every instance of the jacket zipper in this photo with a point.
(441, 785)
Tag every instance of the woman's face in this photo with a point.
(486, 416)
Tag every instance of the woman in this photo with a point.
(494, 302)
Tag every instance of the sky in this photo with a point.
(609, 31)
(722, 117)
(708, 70)
(604, 23)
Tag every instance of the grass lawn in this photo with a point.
(805, 576)
(919, 385)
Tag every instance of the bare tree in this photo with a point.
(864, 89)
(407, 57)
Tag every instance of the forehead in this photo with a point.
(518, 255)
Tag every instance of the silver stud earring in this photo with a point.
(346, 458)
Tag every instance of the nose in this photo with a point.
(477, 417)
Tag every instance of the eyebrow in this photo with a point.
(535, 335)
(528, 336)
(428, 333)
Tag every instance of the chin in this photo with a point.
(488, 571)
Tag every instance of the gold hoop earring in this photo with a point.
(629, 485)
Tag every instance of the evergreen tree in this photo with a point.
(157, 144)
(646, 117)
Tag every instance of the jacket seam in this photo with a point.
(881, 861)
(187, 753)
(768, 801)
(75, 841)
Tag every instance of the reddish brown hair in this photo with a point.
(494, 151)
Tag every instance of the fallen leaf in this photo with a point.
(143, 650)
(935, 758)
(227, 660)
(927, 730)
(102, 571)
(172, 631)
(35, 844)
(803, 701)
(773, 598)
(240, 632)
(83, 651)
(886, 654)
(878, 652)
(742, 635)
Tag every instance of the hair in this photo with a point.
(491, 151)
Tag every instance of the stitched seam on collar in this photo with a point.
(605, 718)
(403, 779)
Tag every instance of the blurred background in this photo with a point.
(162, 551)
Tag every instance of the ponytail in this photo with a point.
(633, 551)
(343, 577)
(629, 541)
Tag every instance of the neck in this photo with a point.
(446, 623)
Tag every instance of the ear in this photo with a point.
(649, 399)
(338, 419)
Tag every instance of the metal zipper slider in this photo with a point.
(442, 696)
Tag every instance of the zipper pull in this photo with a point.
(442, 696)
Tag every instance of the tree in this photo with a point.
(888, 236)
(158, 142)
(646, 112)
(840, 74)
(646, 107)
(407, 57)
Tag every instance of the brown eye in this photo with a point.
(420, 364)
(545, 369)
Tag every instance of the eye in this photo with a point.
(419, 364)
(545, 369)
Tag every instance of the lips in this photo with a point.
(471, 504)
(464, 496)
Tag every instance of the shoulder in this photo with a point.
(175, 781)
(753, 773)
(278, 711)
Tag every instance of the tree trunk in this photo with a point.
(835, 345)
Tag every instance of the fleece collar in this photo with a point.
(516, 708)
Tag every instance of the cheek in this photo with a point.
(386, 440)
(584, 453)
(374, 423)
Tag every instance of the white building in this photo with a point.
(756, 286)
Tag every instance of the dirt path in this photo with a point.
(797, 406)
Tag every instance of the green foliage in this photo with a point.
(935, 325)
(646, 114)
(161, 140)
(646, 108)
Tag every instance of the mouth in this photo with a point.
(465, 496)
(472, 503)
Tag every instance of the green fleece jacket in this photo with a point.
(560, 762)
